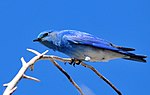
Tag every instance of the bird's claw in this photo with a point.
(75, 62)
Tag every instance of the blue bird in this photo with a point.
(85, 47)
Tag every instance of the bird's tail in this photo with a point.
(134, 57)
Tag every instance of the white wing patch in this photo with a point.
(87, 58)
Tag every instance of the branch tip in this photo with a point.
(44, 52)
(23, 61)
(12, 90)
(33, 51)
(6, 84)
(31, 78)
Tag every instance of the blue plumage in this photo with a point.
(85, 47)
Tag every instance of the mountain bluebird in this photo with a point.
(85, 47)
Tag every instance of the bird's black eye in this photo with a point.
(46, 34)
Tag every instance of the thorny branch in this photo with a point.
(11, 86)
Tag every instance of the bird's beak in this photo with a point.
(37, 40)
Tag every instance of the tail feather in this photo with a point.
(140, 58)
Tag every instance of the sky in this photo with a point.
(122, 22)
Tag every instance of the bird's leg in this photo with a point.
(75, 61)
(72, 61)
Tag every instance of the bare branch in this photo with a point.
(6, 84)
(33, 51)
(31, 78)
(23, 61)
(65, 73)
(36, 52)
(11, 87)
(101, 76)
(11, 91)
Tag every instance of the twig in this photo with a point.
(101, 76)
(65, 73)
(31, 78)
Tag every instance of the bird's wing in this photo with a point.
(90, 40)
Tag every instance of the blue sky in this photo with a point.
(123, 22)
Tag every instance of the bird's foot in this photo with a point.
(75, 62)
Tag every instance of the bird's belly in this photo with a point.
(88, 53)
(102, 55)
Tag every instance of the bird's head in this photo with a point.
(43, 36)
(48, 38)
